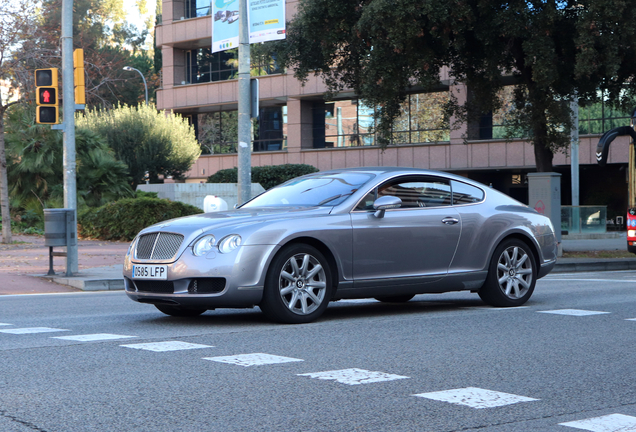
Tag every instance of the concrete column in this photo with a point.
(544, 195)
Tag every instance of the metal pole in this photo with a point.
(574, 150)
(128, 68)
(244, 122)
(70, 184)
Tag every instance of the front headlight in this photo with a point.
(204, 245)
(133, 245)
(229, 243)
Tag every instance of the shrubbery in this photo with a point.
(267, 176)
(123, 219)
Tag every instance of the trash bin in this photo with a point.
(58, 228)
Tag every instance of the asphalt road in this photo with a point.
(357, 369)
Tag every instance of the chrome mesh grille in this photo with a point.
(145, 245)
(158, 246)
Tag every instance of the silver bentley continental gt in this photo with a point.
(383, 233)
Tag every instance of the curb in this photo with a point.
(110, 279)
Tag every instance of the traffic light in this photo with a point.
(46, 96)
(78, 71)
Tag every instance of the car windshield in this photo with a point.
(314, 190)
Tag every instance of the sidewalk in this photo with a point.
(24, 265)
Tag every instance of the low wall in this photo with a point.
(195, 193)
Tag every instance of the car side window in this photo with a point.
(466, 194)
(414, 193)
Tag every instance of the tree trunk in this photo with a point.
(542, 154)
(4, 186)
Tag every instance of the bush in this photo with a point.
(123, 219)
(147, 140)
(267, 176)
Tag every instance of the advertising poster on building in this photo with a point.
(266, 20)
(225, 25)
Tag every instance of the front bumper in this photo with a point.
(243, 270)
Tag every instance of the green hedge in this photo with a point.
(268, 176)
(123, 219)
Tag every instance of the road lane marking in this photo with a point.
(607, 423)
(591, 280)
(254, 359)
(166, 346)
(573, 312)
(486, 307)
(354, 376)
(93, 337)
(475, 397)
(4, 324)
(31, 330)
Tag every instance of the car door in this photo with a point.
(417, 240)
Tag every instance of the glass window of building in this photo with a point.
(196, 8)
(202, 66)
(351, 123)
(217, 132)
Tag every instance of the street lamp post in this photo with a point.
(128, 68)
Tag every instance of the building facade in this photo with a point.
(297, 125)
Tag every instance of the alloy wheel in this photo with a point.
(302, 284)
(514, 272)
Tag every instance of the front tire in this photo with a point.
(512, 275)
(298, 285)
(178, 311)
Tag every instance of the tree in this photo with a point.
(109, 44)
(551, 49)
(16, 25)
(150, 142)
(35, 168)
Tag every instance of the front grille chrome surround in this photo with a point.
(158, 246)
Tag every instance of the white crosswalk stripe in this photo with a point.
(608, 423)
(573, 312)
(475, 397)
(93, 337)
(254, 359)
(354, 376)
(31, 330)
(166, 346)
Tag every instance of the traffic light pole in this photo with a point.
(70, 183)
(244, 111)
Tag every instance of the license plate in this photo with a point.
(157, 272)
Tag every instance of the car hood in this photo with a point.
(191, 226)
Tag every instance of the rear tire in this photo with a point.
(179, 311)
(396, 299)
(298, 285)
(512, 275)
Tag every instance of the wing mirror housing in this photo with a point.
(385, 203)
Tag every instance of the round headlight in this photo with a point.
(229, 243)
(204, 245)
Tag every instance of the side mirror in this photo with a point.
(385, 203)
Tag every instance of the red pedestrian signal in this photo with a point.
(46, 90)
(46, 96)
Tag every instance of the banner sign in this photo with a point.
(225, 25)
(266, 21)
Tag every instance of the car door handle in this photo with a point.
(450, 221)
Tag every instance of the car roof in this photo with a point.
(391, 170)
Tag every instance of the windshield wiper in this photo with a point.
(335, 197)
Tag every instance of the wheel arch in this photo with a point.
(325, 251)
(525, 239)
